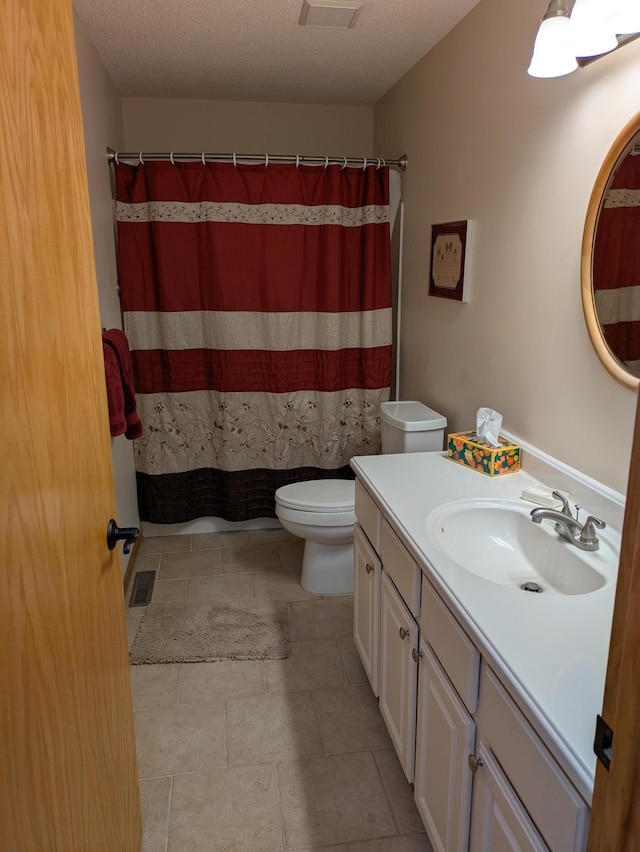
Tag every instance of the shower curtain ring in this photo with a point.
(266, 160)
(345, 163)
(235, 162)
(171, 158)
(115, 157)
(140, 158)
(204, 162)
(379, 163)
(364, 166)
(297, 161)
(326, 161)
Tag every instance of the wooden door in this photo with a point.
(615, 815)
(67, 757)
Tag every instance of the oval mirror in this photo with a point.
(610, 271)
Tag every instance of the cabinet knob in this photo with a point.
(368, 567)
(415, 654)
(474, 762)
(403, 633)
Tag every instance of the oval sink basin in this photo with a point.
(497, 540)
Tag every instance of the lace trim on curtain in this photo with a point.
(622, 198)
(252, 214)
(235, 431)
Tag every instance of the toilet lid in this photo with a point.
(319, 495)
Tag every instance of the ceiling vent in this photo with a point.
(329, 13)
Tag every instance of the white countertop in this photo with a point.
(549, 650)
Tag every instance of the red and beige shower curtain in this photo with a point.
(616, 264)
(257, 303)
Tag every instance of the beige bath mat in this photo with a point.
(207, 632)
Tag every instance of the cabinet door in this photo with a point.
(366, 605)
(398, 672)
(445, 738)
(499, 822)
(557, 810)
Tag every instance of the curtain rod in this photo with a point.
(115, 156)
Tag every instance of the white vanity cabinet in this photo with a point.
(446, 731)
(499, 820)
(367, 569)
(521, 799)
(398, 673)
(399, 610)
(530, 791)
(445, 738)
(366, 605)
(483, 778)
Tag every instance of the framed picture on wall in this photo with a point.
(450, 251)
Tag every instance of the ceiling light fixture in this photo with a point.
(573, 33)
(339, 14)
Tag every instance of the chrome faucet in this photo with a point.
(581, 535)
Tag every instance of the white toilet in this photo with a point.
(322, 511)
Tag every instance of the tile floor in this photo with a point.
(262, 756)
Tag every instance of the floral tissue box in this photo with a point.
(468, 449)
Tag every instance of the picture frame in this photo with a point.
(449, 266)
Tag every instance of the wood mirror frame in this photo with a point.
(615, 367)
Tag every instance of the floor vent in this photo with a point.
(142, 588)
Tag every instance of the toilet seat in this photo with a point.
(336, 496)
(323, 513)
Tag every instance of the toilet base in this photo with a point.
(327, 569)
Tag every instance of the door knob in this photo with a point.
(126, 534)
(368, 567)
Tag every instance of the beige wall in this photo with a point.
(102, 119)
(165, 124)
(519, 157)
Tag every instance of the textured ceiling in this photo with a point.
(255, 50)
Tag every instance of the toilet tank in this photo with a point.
(411, 427)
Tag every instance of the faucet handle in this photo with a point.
(588, 534)
(566, 508)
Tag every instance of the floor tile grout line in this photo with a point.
(179, 704)
(198, 771)
(283, 829)
(344, 665)
(169, 807)
(315, 708)
(384, 787)
(352, 687)
(226, 732)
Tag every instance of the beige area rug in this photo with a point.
(207, 632)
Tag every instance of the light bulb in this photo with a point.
(624, 18)
(592, 32)
(551, 55)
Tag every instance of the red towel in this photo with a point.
(115, 397)
(124, 415)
